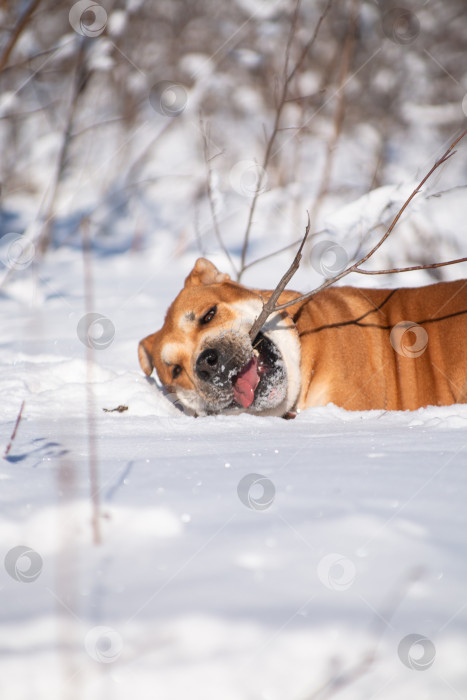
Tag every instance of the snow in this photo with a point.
(240, 557)
(195, 591)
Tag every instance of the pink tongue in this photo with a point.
(245, 383)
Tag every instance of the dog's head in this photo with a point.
(204, 354)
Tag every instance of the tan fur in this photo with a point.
(347, 357)
(345, 340)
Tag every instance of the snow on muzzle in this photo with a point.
(219, 362)
(231, 370)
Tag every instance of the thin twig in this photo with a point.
(17, 116)
(97, 125)
(281, 250)
(22, 22)
(304, 297)
(410, 269)
(443, 192)
(78, 86)
(13, 434)
(270, 305)
(29, 59)
(207, 159)
(288, 77)
(339, 111)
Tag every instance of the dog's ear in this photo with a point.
(145, 352)
(204, 272)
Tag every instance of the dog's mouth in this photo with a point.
(246, 381)
(234, 374)
(259, 377)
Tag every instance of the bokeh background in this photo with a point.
(122, 113)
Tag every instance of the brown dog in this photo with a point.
(357, 348)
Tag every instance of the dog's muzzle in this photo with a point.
(221, 359)
(233, 373)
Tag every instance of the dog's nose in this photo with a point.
(207, 364)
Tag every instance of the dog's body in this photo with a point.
(357, 348)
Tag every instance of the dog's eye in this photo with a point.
(176, 369)
(209, 316)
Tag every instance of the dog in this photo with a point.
(361, 349)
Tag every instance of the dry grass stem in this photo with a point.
(90, 407)
(13, 434)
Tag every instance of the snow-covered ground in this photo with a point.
(151, 555)
(241, 558)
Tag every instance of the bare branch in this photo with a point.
(436, 195)
(432, 266)
(78, 85)
(281, 250)
(97, 125)
(270, 305)
(30, 59)
(22, 22)
(288, 77)
(450, 152)
(339, 111)
(207, 159)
